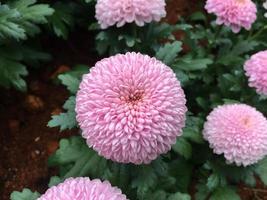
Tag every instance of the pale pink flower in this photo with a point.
(256, 70)
(265, 6)
(239, 132)
(120, 12)
(83, 189)
(131, 108)
(233, 13)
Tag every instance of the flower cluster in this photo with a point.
(83, 188)
(233, 13)
(131, 108)
(120, 12)
(239, 132)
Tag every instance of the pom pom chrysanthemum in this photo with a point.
(256, 70)
(233, 13)
(83, 188)
(239, 132)
(131, 108)
(111, 12)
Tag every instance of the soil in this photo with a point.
(26, 141)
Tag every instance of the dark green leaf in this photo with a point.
(183, 147)
(169, 52)
(224, 193)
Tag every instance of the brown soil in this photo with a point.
(25, 140)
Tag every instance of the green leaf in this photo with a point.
(169, 51)
(179, 196)
(26, 194)
(183, 147)
(198, 16)
(76, 159)
(182, 171)
(202, 192)
(11, 73)
(144, 181)
(158, 195)
(261, 170)
(54, 180)
(70, 81)
(19, 18)
(63, 120)
(213, 182)
(193, 129)
(32, 12)
(189, 64)
(224, 193)
(62, 19)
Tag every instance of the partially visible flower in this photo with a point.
(233, 13)
(131, 108)
(83, 188)
(265, 6)
(239, 132)
(120, 12)
(256, 70)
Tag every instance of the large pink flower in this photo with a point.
(111, 12)
(130, 108)
(83, 188)
(256, 70)
(239, 132)
(233, 13)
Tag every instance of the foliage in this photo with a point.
(18, 21)
(26, 194)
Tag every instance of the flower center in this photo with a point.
(135, 97)
(246, 121)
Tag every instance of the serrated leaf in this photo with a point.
(8, 25)
(224, 193)
(261, 170)
(144, 181)
(26, 194)
(71, 82)
(169, 51)
(183, 147)
(62, 19)
(54, 180)
(63, 120)
(11, 73)
(189, 64)
(179, 196)
(76, 159)
(19, 18)
(213, 182)
(35, 13)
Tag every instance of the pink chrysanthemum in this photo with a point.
(256, 70)
(83, 188)
(111, 12)
(239, 132)
(130, 108)
(233, 13)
